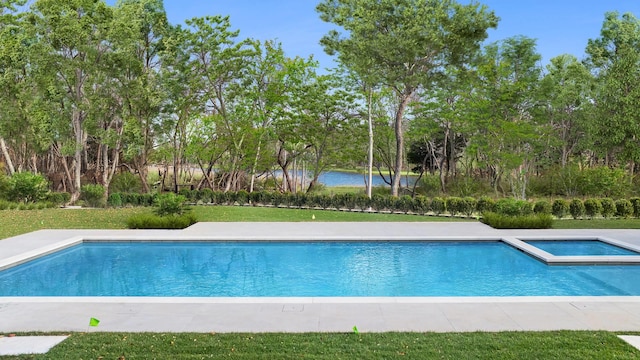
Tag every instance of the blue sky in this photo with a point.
(560, 26)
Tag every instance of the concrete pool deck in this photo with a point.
(370, 314)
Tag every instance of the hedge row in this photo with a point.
(454, 206)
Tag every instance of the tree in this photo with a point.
(405, 44)
(615, 58)
(74, 38)
(505, 111)
(568, 90)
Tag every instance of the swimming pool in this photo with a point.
(309, 269)
(592, 247)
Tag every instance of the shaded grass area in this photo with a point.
(506, 345)
(597, 224)
(16, 222)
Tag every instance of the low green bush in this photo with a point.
(576, 208)
(513, 207)
(542, 207)
(501, 221)
(93, 195)
(57, 198)
(454, 205)
(404, 204)
(592, 207)
(560, 208)
(608, 207)
(27, 187)
(125, 182)
(421, 204)
(152, 221)
(363, 202)
(485, 204)
(469, 205)
(438, 206)
(114, 200)
(170, 204)
(624, 208)
(635, 202)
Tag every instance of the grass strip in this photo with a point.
(505, 345)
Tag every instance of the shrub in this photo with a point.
(624, 208)
(576, 208)
(500, 221)
(592, 207)
(469, 205)
(513, 207)
(542, 207)
(454, 205)
(438, 206)
(635, 202)
(206, 195)
(57, 198)
(27, 187)
(421, 204)
(363, 202)
(404, 203)
(114, 200)
(608, 207)
(559, 208)
(242, 197)
(603, 181)
(485, 204)
(125, 182)
(380, 202)
(93, 195)
(151, 221)
(170, 204)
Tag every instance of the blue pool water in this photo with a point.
(580, 247)
(308, 269)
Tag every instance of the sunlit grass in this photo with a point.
(564, 345)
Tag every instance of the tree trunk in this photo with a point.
(399, 131)
(370, 164)
(7, 158)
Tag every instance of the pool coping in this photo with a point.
(314, 314)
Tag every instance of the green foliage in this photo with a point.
(608, 207)
(560, 208)
(57, 198)
(635, 202)
(27, 187)
(624, 208)
(421, 204)
(438, 206)
(242, 197)
(513, 207)
(576, 208)
(603, 181)
(363, 202)
(469, 205)
(404, 203)
(114, 200)
(542, 207)
(454, 205)
(592, 207)
(169, 204)
(93, 195)
(125, 182)
(501, 221)
(151, 221)
(485, 204)
(206, 195)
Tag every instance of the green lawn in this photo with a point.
(597, 224)
(16, 222)
(507, 345)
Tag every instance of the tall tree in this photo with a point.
(405, 44)
(74, 34)
(615, 58)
